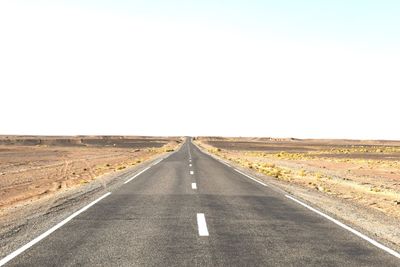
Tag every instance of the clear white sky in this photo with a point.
(325, 69)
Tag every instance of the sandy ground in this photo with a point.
(358, 181)
(33, 168)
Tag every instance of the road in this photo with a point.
(192, 210)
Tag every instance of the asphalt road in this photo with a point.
(156, 220)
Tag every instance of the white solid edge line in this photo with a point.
(158, 161)
(248, 176)
(191, 172)
(357, 233)
(202, 225)
(194, 186)
(217, 159)
(136, 175)
(48, 232)
(224, 163)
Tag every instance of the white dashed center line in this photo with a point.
(190, 165)
(191, 172)
(194, 186)
(202, 225)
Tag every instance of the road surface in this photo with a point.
(192, 210)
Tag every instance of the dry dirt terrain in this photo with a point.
(35, 167)
(358, 181)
